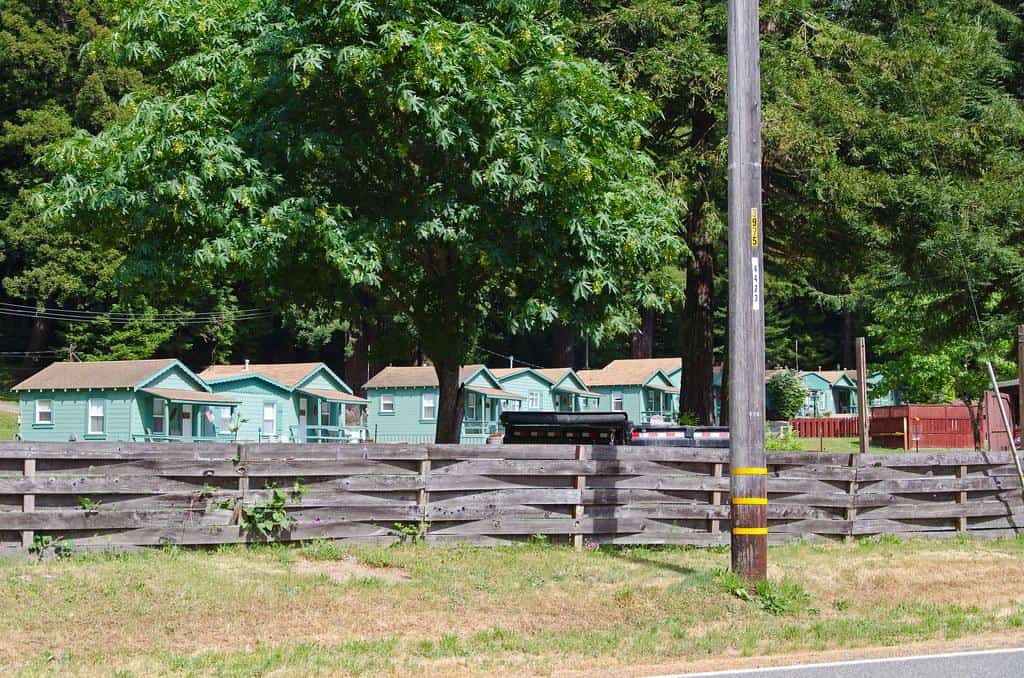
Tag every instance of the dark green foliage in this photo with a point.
(786, 394)
(268, 517)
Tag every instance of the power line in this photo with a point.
(157, 315)
(509, 357)
(182, 319)
(29, 354)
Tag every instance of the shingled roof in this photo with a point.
(95, 374)
(288, 374)
(414, 377)
(629, 371)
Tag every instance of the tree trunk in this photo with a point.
(451, 397)
(846, 351)
(358, 369)
(974, 413)
(39, 339)
(697, 395)
(641, 344)
(563, 346)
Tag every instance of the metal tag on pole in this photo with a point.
(748, 478)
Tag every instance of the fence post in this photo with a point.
(424, 497)
(961, 499)
(28, 503)
(241, 456)
(577, 512)
(716, 500)
(851, 510)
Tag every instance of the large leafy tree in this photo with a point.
(440, 161)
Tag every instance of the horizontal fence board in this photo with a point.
(145, 494)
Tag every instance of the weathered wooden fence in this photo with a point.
(125, 495)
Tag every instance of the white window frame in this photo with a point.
(102, 416)
(471, 407)
(387, 404)
(325, 413)
(428, 401)
(160, 412)
(617, 396)
(226, 420)
(271, 430)
(47, 410)
(533, 402)
(511, 405)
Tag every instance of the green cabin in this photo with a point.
(829, 392)
(122, 400)
(289, 402)
(404, 400)
(556, 389)
(647, 389)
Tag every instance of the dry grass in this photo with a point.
(535, 610)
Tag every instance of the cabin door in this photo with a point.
(186, 421)
(174, 420)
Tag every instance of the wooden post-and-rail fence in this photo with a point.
(110, 495)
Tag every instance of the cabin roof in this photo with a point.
(417, 376)
(629, 371)
(287, 374)
(95, 374)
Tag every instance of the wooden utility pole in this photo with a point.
(1020, 377)
(862, 393)
(748, 481)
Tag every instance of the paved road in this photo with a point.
(981, 664)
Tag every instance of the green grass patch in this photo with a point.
(8, 425)
(328, 609)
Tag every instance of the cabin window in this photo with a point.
(159, 415)
(510, 405)
(387, 403)
(97, 416)
(534, 401)
(471, 407)
(269, 418)
(325, 414)
(617, 401)
(428, 406)
(44, 411)
(225, 419)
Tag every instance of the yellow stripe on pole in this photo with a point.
(751, 531)
(750, 501)
(750, 471)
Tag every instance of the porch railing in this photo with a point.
(168, 438)
(649, 416)
(479, 427)
(328, 434)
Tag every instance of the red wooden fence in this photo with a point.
(826, 427)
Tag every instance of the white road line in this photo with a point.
(851, 662)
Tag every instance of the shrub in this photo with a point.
(786, 393)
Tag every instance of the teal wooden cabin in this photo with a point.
(647, 389)
(404, 400)
(122, 400)
(289, 402)
(557, 389)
